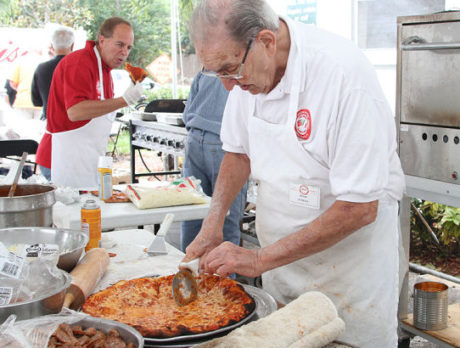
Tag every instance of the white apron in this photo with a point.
(74, 153)
(360, 273)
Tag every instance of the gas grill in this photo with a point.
(162, 132)
(156, 136)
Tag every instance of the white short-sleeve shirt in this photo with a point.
(353, 130)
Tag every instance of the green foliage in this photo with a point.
(450, 225)
(37, 13)
(165, 92)
(185, 10)
(122, 143)
(444, 221)
(4, 8)
(150, 20)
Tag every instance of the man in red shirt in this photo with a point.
(80, 112)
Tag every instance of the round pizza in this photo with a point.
(147, 305)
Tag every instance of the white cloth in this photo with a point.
(75, 153)
(350, 155)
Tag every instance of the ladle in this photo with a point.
(18, 173)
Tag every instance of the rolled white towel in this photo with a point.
(310, 318)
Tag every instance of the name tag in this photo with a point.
(304, 195)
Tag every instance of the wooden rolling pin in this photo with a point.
(85, 276)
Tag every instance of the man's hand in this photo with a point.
(228, 258)
(133, 93)
(204, 242)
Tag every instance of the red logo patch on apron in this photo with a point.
(303, 189)
(303, 124)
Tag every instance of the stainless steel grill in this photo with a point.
(166, 138)
(159, 137)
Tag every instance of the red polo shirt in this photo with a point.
(75, 79)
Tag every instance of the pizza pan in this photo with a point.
(265, 304)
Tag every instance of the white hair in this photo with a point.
(63, 37)
(242, 19)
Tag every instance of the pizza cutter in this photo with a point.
(184, 287)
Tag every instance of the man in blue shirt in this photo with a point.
(203, 152)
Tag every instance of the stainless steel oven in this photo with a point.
(428, 120)
(428, 96)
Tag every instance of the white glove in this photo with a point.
(133, 93)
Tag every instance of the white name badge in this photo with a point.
(304, 195)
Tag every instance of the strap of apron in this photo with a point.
(101, 77)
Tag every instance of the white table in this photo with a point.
(115, 215)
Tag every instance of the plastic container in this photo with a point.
(91, 223)
(104, 177)
(430, 305)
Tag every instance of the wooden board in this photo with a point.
(451, 334)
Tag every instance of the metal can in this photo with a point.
(91, 223)
(430, 305)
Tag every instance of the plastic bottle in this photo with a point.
(104, 172)
(91, 223)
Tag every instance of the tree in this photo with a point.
(37, 13)
(185, 9)
(150, 20)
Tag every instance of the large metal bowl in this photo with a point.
(47, 303)
(127, 333)
(31, 205)
(71, 242)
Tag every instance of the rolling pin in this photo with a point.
(85, 276)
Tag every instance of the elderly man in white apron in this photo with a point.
(75, 151)
(317, 134)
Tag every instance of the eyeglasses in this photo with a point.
(224, 75)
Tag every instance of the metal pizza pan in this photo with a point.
(265, 304)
